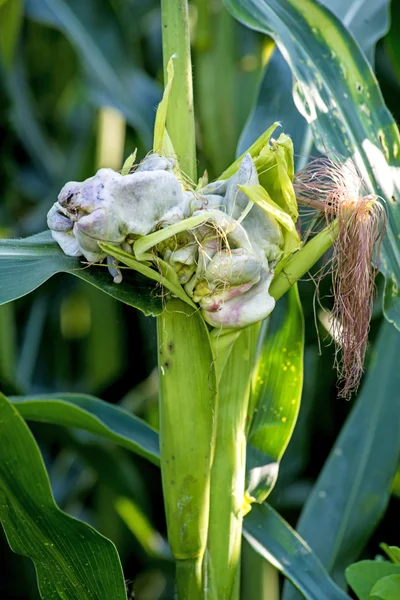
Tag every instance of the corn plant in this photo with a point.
(217, 263)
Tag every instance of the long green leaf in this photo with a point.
(338, 94)
(368, 21)
(94, 415)
(277, 542)
(360, 469)
(277, 386)
(72, 560)
(27, 263)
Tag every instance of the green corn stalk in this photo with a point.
(187, 377)
(205, 379)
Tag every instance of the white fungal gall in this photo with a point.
(225, 264)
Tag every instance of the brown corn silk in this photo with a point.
(337, 190)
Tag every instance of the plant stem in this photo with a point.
(187, 395)
(187, 377)
(180, 118)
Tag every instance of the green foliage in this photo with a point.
(277, 542)
(58, 544)
(94, 415)
(372, 579)
(75, 57)
(276, 394)
(360, 469)
(336, 91)
(25, 264)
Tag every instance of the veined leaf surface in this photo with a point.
(339, 96)
(72, 560)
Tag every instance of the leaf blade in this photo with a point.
(37, 528)
(27, 263)
(360, 468)
(338, 94)
(269, 534)
(91, 414)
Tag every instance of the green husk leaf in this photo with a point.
(254, 151)
(338, 94)
(166, 276)
(161, 116)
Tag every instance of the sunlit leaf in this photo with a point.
(35, 527)
(368, 21)
(337, 92)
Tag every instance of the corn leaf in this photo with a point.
(368, 21)
(338, 94)
(91, 414)
(277, 542)
(276, 394)
(360, 468)
(35, 527)
(27, 263)
(265, 530)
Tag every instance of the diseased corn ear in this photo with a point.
(338, 191)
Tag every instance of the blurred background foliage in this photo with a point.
(80, 82)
